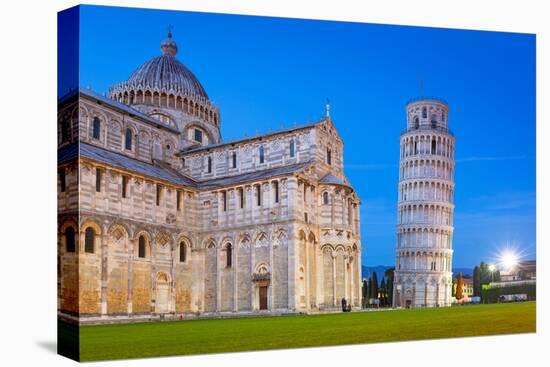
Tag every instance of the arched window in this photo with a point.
(234, 159)
(141, 246)
(424, 112)
(229, 255)
(65, 130)
(262, 153)
(128, 139)
(198, 135)
(69, 239)
(433, 146)
(89, 238)
(325, 198)
(276, 190)
(96, 129)
(416, 123)
(291, 148)
(434, 121)
(183, 252)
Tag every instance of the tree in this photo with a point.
(369, 290)
(477, 282)
(459, 285)
(389, 284)
(496, 276)
(364, 291)
(384, 291)
(374, 289)
(484, 274)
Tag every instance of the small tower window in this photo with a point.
(424, 112)
(291, 149)
(128, 139)
(183, 252)
(234, 160)
(325, 198)
(224, 198)
(329, 157)
(241, 197)
(258, 195)
(276, 189)
(62, 179)
(416, 122)
(69, 239)
(89, 238)
(179, 195)
(96, 128)
(209, 168)
(262, 154)
(434, 145)
(65, 130)
(434, 121)
(124, 186)
(159, 193)
(98, 180)
(141, 247)
(229, 255)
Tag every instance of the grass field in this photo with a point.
(231, 335)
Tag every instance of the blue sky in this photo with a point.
(265, 73)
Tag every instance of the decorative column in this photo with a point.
(335, 301)
(133, 245)
(104, 271)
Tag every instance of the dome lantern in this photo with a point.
(169, 46)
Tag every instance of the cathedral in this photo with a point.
(159, 218)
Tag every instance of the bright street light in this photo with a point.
(509, 259)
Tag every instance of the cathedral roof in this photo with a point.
(199, 148)
(253, 176)
(162, 171)
(165, 73)
(330, 179)
(122, 161)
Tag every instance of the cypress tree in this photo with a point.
(369, 290)
(374, 289)
(389, 285)
(477, 282)
(384, 292)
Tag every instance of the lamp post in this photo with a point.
(492, 269)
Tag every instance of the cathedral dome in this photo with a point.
(166, 74)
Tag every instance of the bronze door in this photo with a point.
(263, 297)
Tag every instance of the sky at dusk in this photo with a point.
(267, 73)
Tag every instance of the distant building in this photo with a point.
(524, 270)
(467, 287)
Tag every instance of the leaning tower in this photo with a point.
(423, 255)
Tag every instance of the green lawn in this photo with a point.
(230, 335)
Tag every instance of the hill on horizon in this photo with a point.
(367, 271)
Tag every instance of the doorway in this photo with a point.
(162, 294)
(263, 297)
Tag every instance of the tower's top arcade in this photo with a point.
(427, 113)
